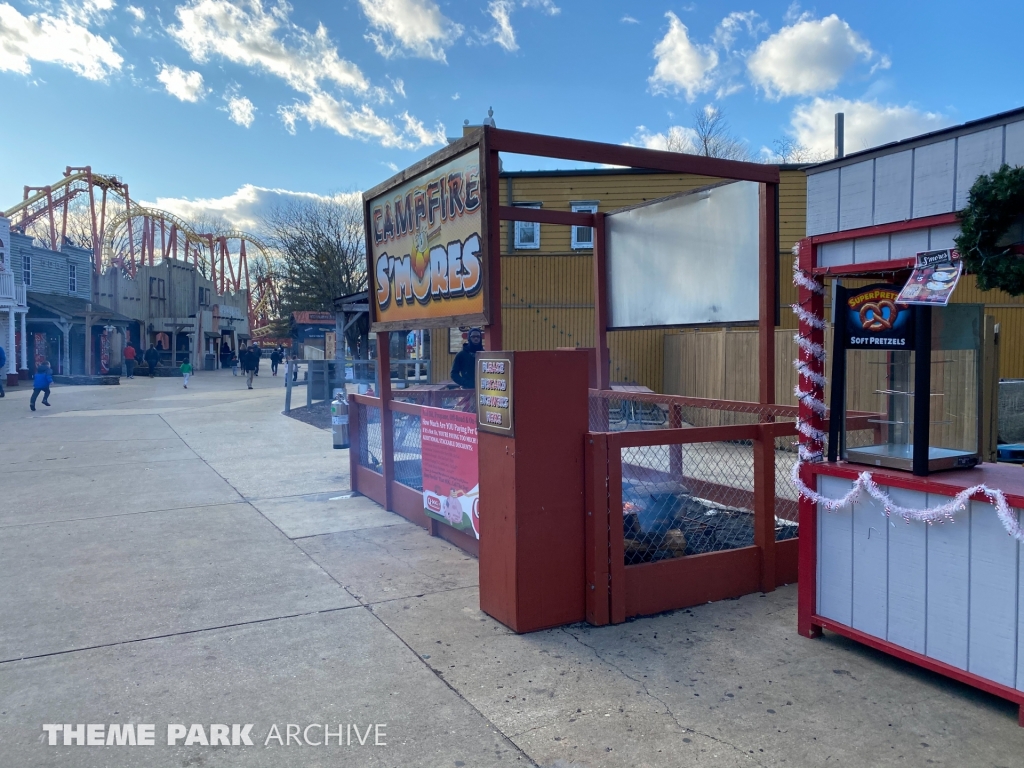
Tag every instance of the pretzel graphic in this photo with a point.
(874, 318)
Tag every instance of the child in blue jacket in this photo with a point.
(41, 383)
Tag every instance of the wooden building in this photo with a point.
(547, 270)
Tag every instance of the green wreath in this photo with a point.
(995, 202)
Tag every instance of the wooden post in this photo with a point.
(603, 372)
(387, 431)
(769, 243)
(493, 333)
(596, 500)
(808, 518)
(764, 505)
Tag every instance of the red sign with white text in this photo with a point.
(451, 469)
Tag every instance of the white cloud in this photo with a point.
(241, 111)
(243, 208)
(186, 86)
(678, 138)
(731, 26)
(682, 65)
(456, 96)
(502, 32)
(390, 166)
(262, 37)
(59, 37)
(548, 6)
(416, 27)
(627, 19)
(810, 56)
(867, 124)
(138, 13)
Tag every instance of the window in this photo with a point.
(26, 270)
(583, 237)
(204, 297)
(72, 278)
(527, 232)
(156, 288)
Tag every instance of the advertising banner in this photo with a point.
(451, 472)
(426, 241)
(933, 279)
(876, 320)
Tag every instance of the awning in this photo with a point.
(72, 309)
(211, 334)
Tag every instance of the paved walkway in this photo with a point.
(179, 557)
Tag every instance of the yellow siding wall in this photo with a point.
(547, 294)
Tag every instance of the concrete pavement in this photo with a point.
(194, 557)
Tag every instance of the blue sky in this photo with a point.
(227, 105)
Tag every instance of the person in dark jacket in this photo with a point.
(249, 359)
(3, 364)
(255, 350)
(463, 368)
(151, 357)
(275, 360)
(41, 383)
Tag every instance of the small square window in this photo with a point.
(156, 288)
(527, 232)
(583, 237)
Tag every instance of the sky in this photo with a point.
(227, 106)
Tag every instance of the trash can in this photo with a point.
(210, 362)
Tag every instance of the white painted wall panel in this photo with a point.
(868, 249)
(1015, 144)
(993, 595)
(823, 202)
(948, 588)
(835, 554)
(856, 195)
(892, 187)
(907, 574)
(908, 244)
(933, 178)
(870, 567)
(976, 153)
(942, 237)
(835, 254)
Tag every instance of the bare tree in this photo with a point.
(322, 249)
(713, 137)
(789, 150)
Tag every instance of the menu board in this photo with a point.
(494, 393)
(934, 278)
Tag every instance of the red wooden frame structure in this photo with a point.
(809, 623)
(615, 591)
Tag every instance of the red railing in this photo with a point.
(378, 475)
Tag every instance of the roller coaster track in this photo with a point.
(124, 235)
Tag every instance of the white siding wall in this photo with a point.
(950, 591)
(910, 183)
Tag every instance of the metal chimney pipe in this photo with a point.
(840, 135)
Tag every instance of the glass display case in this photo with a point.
(888, 409)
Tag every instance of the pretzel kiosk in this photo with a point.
(923, 367)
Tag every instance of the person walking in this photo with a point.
(129, 360)
(41, 383)
(275, 360)
(234, 364)
(295, 368)
(249, 362)
(3, 364)
(151, 357)
(186, 371)
(255, 350)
